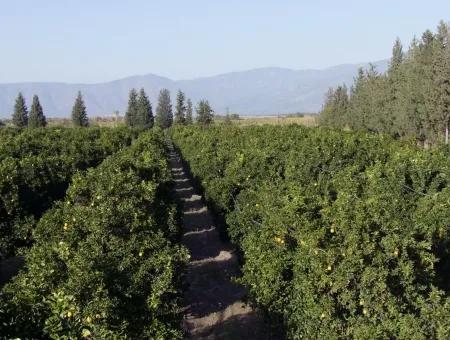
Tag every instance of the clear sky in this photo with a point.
(99, 40)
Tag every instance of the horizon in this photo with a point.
(89, 43)
(198, 78)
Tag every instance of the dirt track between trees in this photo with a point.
(215, 307)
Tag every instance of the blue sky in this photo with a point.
(99, 40)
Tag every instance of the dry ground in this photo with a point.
(215, 306)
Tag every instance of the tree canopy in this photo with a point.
(164, 115)
(79, 115)
(411, 99)
(37, 117)
(204, 113)
(20, 115)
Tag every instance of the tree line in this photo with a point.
(35, 118)
(412, 99)
(139, 112)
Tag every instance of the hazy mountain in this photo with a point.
(261, 91)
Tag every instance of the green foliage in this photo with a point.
(227, 120)
(144, 110)
(79, 115)
(335, 107)
(20, 115)
(37, 118)
(164, 115)
(131, 114)
(36, 166)
(343, 235)
(189, 111)
(139, 112)
(411, 100)
(180, 109)
(204, 113)
(105, 264)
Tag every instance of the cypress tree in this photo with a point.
(180, 109)
(37, 117)
(164, 115)
(397, 56)
(412, 98)
(79, 115)
(412, 114)
(131, 114)
(358, 102)
(334, 112)
(440, 116)
(204, 113)
(189, 119)
(144, 113)
(395, 108)
(20, 115)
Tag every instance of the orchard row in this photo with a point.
(105, 261)
(342, 234)
(36, 167)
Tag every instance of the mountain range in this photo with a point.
(263, 91)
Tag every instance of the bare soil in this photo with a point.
(215, 306)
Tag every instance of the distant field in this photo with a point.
(307, 120)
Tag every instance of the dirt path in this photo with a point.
(214, 307)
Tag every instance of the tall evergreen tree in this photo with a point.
(412, 113)
(144, 110)
(164, 115)
(180, 109)
(392, 114)
(397, 56)
(189, 112)
(132, 110)
(79, 115)
(358, 115)
(204, 113)
(334, 112)
(37, 117)
(20, 115)
(412, 98)
(441, 83)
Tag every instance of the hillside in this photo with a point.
(261, 91)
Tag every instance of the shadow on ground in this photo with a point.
(215, 306)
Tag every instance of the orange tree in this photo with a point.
(35, 169)
(105, 263)
(342, 234)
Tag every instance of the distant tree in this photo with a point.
(204, 113)
(164, 115)
(37, 117)
(440, 95)
(395, 115)
(411, 99)
(132, 110)
(227, 120)
(180, 109)
(79, 115)
(144, 113)
(189, 110)
(397, 56)
(20, 115)
(335, 109)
